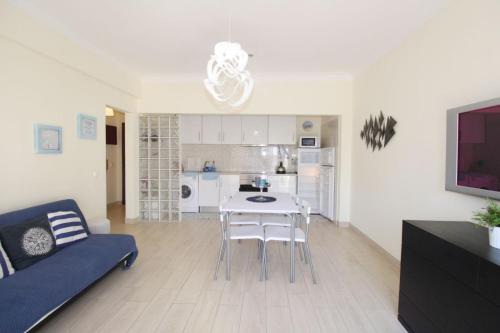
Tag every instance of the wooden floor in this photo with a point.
(170, 287)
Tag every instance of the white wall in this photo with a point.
(44, 80)
(318, 96)
(114, 160)
(453, 60)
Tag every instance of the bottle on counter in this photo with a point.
(281, 169)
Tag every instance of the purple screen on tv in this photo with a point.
(479, 149)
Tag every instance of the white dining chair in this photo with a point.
(235, 232)
(278, 220)
(278, 233)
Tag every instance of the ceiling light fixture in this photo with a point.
(227, 80)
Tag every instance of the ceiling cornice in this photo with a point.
(187, 78)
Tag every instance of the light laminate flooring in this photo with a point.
(170, 288)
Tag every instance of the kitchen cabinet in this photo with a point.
(211, 130)
(190, 126)
(283, 184)
(282, 130)
(231, 130)
(229, 186)
(208, 190)
(255, 130)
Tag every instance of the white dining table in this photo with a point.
(284, 205)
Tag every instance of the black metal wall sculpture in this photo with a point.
(378, 131)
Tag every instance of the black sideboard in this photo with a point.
(450, 278)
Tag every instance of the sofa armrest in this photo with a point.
(99, 225)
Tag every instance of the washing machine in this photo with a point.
(189, 192)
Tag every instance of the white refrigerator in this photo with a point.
(308, 172)
(327, 183)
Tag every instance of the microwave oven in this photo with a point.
(309, 142)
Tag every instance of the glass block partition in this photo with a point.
(159, 167)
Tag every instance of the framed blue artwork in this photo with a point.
(48, 139)
(87, 127)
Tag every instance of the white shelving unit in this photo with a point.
(159, 168)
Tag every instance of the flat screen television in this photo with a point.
(473, 149)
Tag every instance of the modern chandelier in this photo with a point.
(227, 80)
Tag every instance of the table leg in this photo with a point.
(228, 250)
(292, 249)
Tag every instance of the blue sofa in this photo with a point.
(31, 294)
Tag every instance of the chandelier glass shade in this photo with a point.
(227, 80)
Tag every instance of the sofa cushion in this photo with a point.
(28, 242)
(67, 227)
(6, 268)
(19, 216)
(32, 293)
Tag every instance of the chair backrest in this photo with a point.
(223, 200)
(305, 211)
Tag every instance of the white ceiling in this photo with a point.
(165, 38)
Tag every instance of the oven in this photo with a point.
(246, 183)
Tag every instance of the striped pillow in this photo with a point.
(6, 268)
(67, 227)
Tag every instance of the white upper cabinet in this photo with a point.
(211, 132)
(190, 126)
(282, 130)
(255, 130)
(231, 130)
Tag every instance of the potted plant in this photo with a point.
(490, 218)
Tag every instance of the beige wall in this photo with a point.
(329, 131)
(318, 96)
(453, 60)
(314, 131)
(114, 160)
(47, 83)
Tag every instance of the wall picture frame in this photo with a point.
(87, 127)
(48, 139)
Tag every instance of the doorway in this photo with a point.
(115, 165)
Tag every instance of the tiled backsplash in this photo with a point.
(234, 158)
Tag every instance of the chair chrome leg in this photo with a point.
(263, 262)
(266, 269)
(302, 245)
(311, 266)
(300, 251)
(228, 260)
(219, 259)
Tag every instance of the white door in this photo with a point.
(324, 181)
(190, 126)
(231, 130)
(229, 186)
(328, 156)
(208, 190)
(254, 130)
(282, 130)
(211, 130)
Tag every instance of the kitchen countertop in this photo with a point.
(244, 173)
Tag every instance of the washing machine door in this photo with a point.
(187, 193)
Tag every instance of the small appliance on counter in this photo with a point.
(209, 166)
(281, 169)
(261, 183)
(309, 142)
